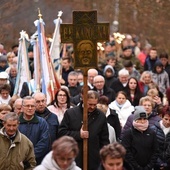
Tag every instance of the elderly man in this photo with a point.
(35, 128)
(16, 149)
(90, 76)
(18, 106)
(120, 83)
(102, 89)
(51, 118)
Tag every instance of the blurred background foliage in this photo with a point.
(147, 19)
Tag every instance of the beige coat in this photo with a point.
(13, 154)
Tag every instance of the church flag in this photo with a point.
(37, 67)
(56, 46)
(23, 74)
(48, 83)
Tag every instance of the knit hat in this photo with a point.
(139, 113)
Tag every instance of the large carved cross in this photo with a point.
(84, 33)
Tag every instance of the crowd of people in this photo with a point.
(128, 109)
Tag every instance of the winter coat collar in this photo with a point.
(34, 120)
(44, 114)
(17, 137)
(50, 163)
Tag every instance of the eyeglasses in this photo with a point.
(28, 106)
(62, 95)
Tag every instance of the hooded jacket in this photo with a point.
(108, 67)
(109, 80)
(16, 154)
(49, 163)
(161, 79)
(149, 63)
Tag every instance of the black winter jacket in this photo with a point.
(141, 148)
(98, 133)
(113, 120)
(163, 142)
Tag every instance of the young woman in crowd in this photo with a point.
(61, 103)
(122, 107)
(133, 91)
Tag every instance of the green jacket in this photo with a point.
(136, 63)
(17, 154)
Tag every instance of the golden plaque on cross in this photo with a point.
(84, 33)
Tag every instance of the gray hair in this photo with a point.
(10, 116)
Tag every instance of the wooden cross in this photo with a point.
(84, 33)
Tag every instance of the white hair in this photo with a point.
(92, 70)
(98, 76)
(123, 72)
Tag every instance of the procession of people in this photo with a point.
(128, 113)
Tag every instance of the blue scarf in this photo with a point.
(119, 105)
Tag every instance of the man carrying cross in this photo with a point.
(97, 133)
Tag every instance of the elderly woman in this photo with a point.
(140, 142)
(145, 81)
(148, 103)
(64, 151)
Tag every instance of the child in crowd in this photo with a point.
(5, 93)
